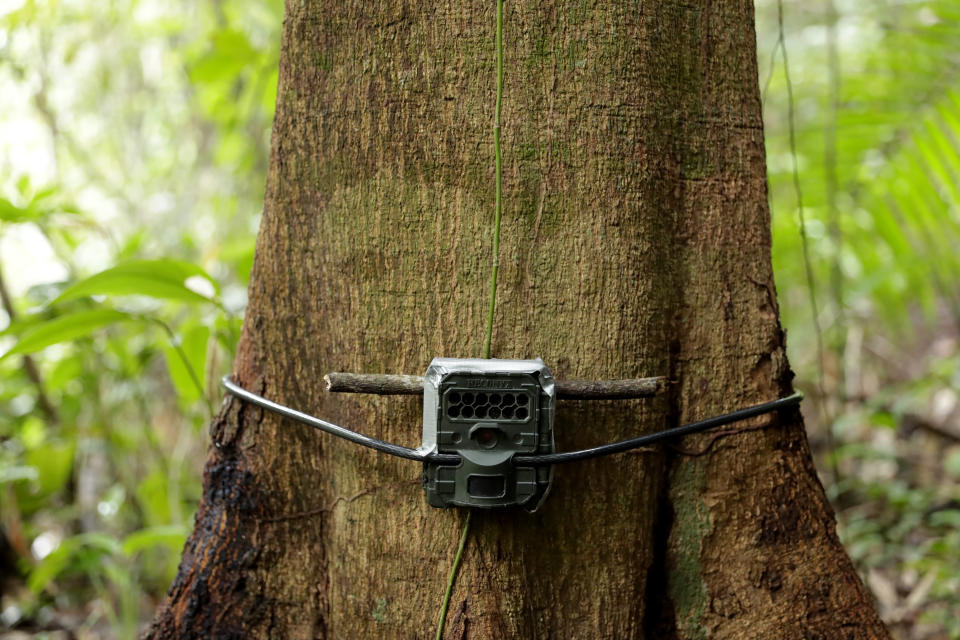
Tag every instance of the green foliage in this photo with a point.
(163, 279)
(882, 223)
(878, 150)
(187, 363)
(83, 551)
(41, 206)
(51, 461)
(134, 140)
(43, 333)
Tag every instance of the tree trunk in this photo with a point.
(635, 242)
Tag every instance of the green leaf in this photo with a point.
(23, 184)
(194, 347)
(64, 328)
(952, 462)
(164, 279)
(54, 463)
(946, 518)
(230, 54)
(58, 561)
(25, 322)
(43, 204)
(171, 536)
(10, 212)
(52, 565)
(153, 496)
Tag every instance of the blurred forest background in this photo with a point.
(134, 138)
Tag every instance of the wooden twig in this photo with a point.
(610, 389)
(381, 384)
(387, 384)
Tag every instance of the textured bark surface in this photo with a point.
(635, 242)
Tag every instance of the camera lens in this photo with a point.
(486, 438)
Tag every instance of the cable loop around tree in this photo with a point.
(522, 460)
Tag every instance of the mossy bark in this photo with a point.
(636, 242)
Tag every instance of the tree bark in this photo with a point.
(635, 242)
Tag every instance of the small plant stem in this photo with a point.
(453, 575)
(807, 261)
(498, 195)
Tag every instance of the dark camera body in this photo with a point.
(486, 411)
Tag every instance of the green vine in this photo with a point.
(498, 197)
(497, 214)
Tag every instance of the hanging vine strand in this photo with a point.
(805, 247)
(497, 211)
(498, 188)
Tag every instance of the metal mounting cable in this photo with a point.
(657, 436)
(337, 430)
(536, 460)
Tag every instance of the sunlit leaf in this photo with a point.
(53, 461)
(66, 327)
(58, 561)
(163, 279)
(169, 536)
(230, 53)
(9, 212)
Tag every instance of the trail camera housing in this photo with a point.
(486, 411)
